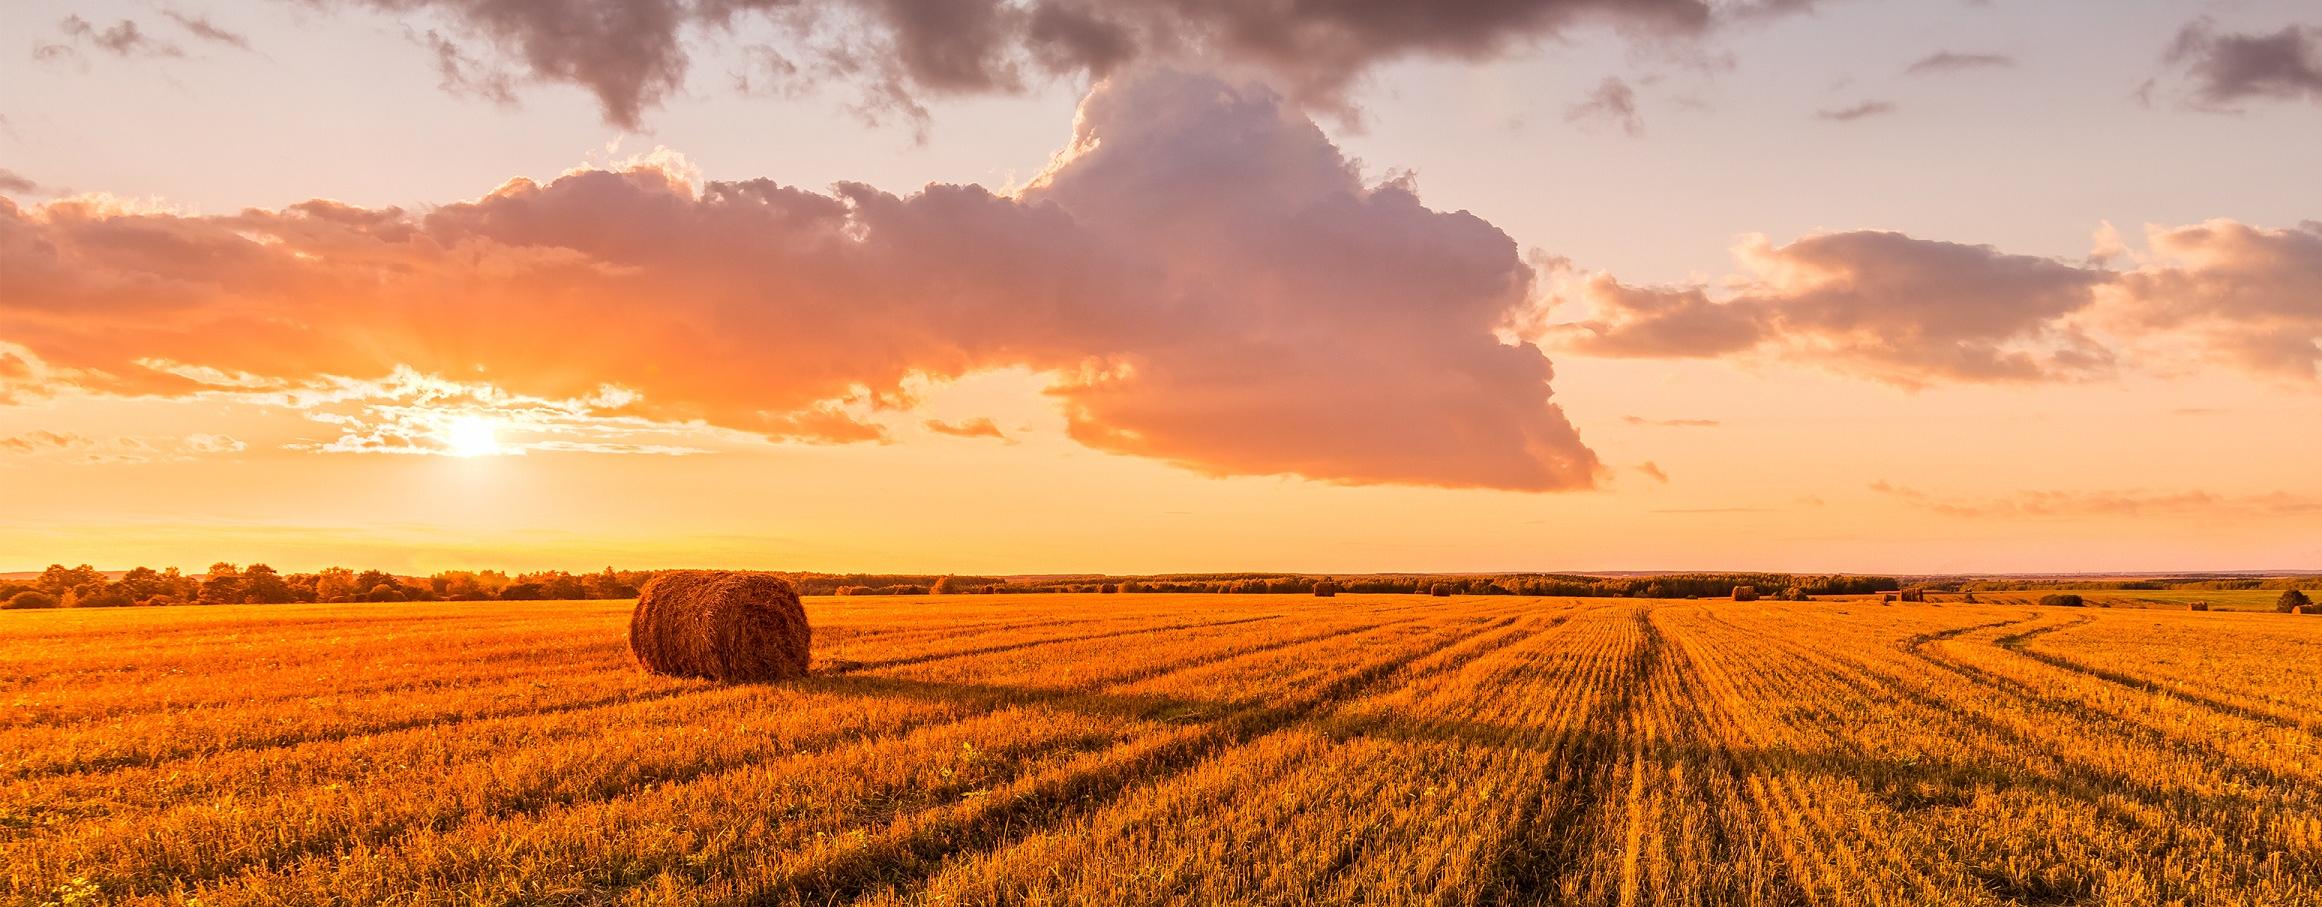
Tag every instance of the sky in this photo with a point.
(1036, 286)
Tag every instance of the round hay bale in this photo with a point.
(733, 625)
(1325, 589)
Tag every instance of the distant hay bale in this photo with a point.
(1745, 593)
(1886, 599)
(1325, 589)
(1440, 590)
(732, 625)
(1914, 595)
(2200, 606)
(2064, 600)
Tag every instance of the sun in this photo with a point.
(471, 436)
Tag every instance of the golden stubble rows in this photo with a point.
(1170, 749)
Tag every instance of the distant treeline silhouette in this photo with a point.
(86, 587)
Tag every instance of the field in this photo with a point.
(1189, 749)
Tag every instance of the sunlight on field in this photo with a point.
(1147, 748)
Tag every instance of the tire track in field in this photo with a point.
(982, 701)
(2054, 765)
(2154, 739)
(2019, 643)
(911, 854)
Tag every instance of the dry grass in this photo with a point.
(1183, 749)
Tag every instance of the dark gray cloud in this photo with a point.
(2229, 68)
(15, 184)
(629, 53)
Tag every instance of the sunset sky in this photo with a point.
(1025, 286)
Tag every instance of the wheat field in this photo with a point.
(1064, 749)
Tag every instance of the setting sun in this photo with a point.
(472, 436)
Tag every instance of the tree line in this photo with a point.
(86, 587)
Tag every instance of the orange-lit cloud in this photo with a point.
(1202, 274)
(970, 428)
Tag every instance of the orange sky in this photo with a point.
(1206, 328)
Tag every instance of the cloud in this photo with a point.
(14, 184)
(1612, 102)
(971, 428)
(1898, 309)
(2251, 296)
(2229, 68)
(628, 53)
(122, 39)
(84, 449)
(1949, 61)
(201, 27)
(1855, 112)
(1202, 275)
(2108, 504)
(1653, 471)
(1914, 312)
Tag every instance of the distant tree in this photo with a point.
(2063, 600)
(608, 585)
(2291, 601)
(944, 585)
(58, 579)
(523, 592)
(384, 592)
(335, 584)
(224, 587)
(31, 599)
(262, 586)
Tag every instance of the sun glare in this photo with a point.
(472, 436)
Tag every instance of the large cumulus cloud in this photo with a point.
(1915, 311)
(1203, 273)
(631, 54)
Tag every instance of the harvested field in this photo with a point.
(1158, 748)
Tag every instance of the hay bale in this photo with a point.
(2063, 600)
(1745, 593)
(2200, 606)
(1440, 590)
(1325, 589)
(720, 624)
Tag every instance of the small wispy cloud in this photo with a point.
(969, 428)
(121, 449)
(1949, 61)
(1613, 102)
(2066, 504)
(1855, 112)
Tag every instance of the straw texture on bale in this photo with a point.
(721, 625)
